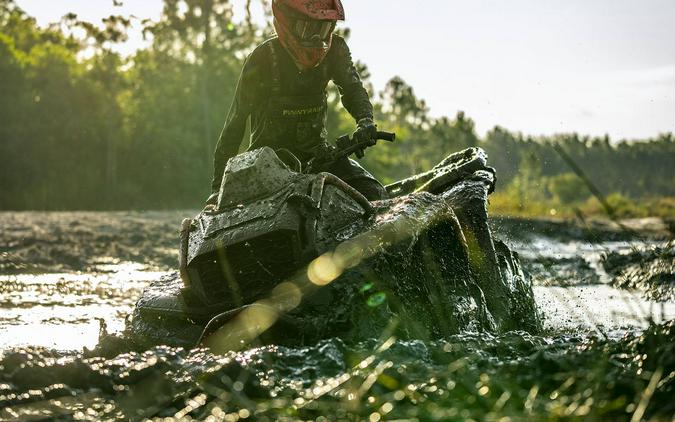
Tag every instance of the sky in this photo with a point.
(536, 66)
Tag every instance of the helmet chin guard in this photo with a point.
(305, 28)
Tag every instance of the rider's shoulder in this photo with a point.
(263, 49)
(339, 40)
(338, 43)
(338, 49)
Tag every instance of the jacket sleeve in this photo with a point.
(235, 124)
(354, 96)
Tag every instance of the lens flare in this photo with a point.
(323, 270)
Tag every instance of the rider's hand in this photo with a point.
(365, 132)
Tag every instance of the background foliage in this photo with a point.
(84, 128)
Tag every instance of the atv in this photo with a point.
(289, 256)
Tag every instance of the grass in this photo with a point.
(506, 203)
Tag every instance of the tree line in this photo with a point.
(82, 127)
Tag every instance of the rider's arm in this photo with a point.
(235, 124)
(346, 77)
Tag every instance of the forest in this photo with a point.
(83, 127)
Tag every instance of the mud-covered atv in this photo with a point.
(288, 257)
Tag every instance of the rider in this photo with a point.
(282, 88)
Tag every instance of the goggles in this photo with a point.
(313, 30)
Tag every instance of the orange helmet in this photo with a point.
(305, 28)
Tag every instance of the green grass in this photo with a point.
(507, 204)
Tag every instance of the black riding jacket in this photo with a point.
(288, 107)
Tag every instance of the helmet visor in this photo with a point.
(313, 30)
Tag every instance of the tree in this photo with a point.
(568, 188)
(98, 131)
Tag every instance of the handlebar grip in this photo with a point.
(385, 136)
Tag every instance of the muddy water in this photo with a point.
(575, 293)
(64, 311)
(595, 358)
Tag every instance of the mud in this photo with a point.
(650, 269)
(475, 376)
(607, 353)
(566, 271)
(632, 254)
(48, 242)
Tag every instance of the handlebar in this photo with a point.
(346, 147)
(385, 136)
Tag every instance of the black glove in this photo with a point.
(365, 132)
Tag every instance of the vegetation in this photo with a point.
(468, 377)
(85, 128)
